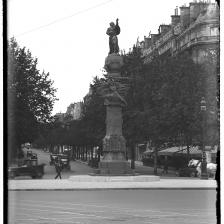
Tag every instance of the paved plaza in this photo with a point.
(113, 206)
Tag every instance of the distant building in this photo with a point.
(88, 96)
(60, 116)
(74, 110)
(195, 30)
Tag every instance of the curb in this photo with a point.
(127, 188)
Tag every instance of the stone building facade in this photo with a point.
(195, 30)
(75, 110)
(60, 116)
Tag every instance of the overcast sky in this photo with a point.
(69, 36)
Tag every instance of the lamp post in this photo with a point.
(204, 174)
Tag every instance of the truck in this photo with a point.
(30, 168)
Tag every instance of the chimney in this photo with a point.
(147, 41)
(195, 9)
(176, 11)
(175, 19)
(185, 16)
(154, 38)
(163, 28)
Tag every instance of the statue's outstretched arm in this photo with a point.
(117, 27)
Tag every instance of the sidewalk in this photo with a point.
(69, 184)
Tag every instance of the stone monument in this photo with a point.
(114, 145)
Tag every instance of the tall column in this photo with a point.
(114, 145)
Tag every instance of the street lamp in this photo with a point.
(204, 174)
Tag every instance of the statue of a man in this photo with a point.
(113, 31)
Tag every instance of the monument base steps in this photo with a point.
(114, 178)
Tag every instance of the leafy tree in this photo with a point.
(94, 115)
(134, 117)
(31, 97)
(164, 99)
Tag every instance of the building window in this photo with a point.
(214, 31)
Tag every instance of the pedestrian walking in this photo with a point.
(58, 168)
(165, 167)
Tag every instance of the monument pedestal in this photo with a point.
(114, 145)
(115, 168)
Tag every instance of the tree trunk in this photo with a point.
(188, 147)
(78, 152)
(155, 160)
(91, 152)
(98, 154)
(188, 152)
(132, 146)
(82, 153)
(86, 152)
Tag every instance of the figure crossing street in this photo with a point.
(58, 168)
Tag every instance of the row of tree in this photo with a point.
(163, 104)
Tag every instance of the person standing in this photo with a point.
(58, 168)
(165, 167)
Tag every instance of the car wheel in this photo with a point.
(39, 175)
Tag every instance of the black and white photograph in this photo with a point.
(112, 112)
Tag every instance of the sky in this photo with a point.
(68, 37)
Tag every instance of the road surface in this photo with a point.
(112, 207)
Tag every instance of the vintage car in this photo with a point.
(187, 172)
(65, 161)
(53, 158)
(33, 156)
(29, 168)
(29, 153)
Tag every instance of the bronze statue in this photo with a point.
(113, 31)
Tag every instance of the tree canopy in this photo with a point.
(30, 96)
(164, 99)
(163, 103)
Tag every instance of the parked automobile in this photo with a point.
(29, 168)
(29, 153)
(187, 172)
(53, 157)
(65, 161)
(33, 156)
